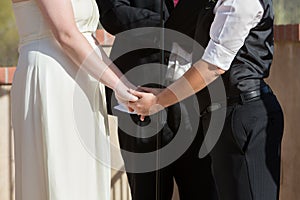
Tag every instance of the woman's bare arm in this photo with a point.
(60, 16)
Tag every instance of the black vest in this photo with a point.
(252, 62)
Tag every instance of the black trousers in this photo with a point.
(193, 175)
(246, 159)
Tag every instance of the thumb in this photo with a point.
(130, 109)
(125, 97)
(136, 93)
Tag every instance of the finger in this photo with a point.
(130, 109)
(130, 97)
(136, 93)
(126, 98)
(142, 118)
(133, 98)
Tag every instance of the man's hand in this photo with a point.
(146, 104)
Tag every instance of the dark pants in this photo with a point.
(246, 159)
(192, 174)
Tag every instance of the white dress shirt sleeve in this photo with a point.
(232, 23)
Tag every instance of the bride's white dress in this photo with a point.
(59, 114)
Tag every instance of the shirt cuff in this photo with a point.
(218, 55)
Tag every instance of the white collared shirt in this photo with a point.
(232, 23)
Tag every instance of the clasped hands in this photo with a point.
(143, 101)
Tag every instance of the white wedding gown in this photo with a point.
(59, 114)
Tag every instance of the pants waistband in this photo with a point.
(249, 96)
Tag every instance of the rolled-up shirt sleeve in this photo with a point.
(232, 23)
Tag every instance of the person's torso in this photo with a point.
(32, 25)
(252, 62)
(139, 40)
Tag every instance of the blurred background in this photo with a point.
(284, 79)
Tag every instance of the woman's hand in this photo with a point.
(123, 95)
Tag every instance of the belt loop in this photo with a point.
(242, 97)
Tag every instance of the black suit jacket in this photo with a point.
(121, 15)
(185, 16)
(117, 16)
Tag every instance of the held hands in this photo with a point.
(146, 103)
(141, 100)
